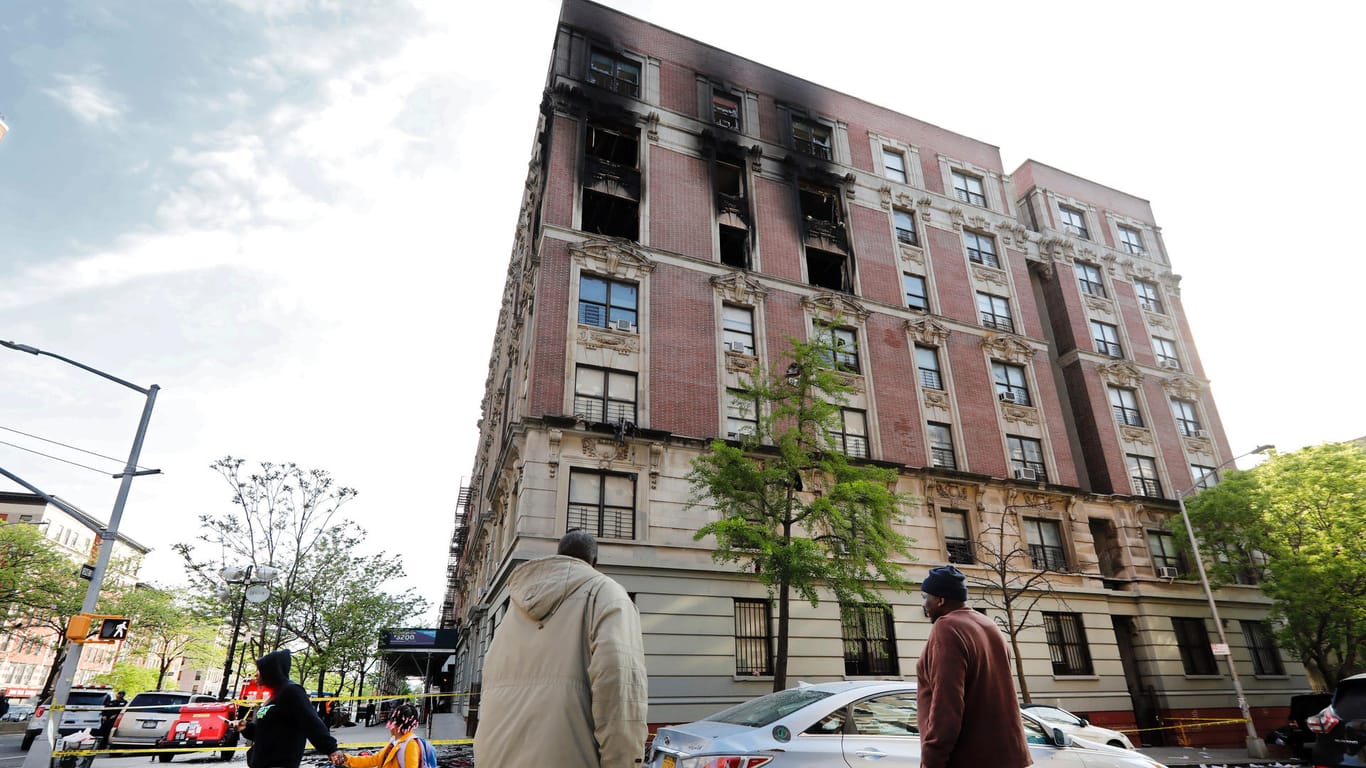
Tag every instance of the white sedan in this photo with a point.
(1075, 725)
(844, 723)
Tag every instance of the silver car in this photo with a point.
(1077, 726)
(846, 723)
(148, 718)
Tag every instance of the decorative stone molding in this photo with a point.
(1171, 282)
(954, 493)
(1137, 270)
(956, 218)
(912, 255)
(739, 288)
(652, 126)
(983, 273)
(656, 458)
(885, 196)
(610, 450)
(830, 305)
(850, 188)
(1007, 348)
(926, 205)
(1199, 445)
(1013, 234)
(936, 398)
(1020, 414)
(852, 380)
(928, 331)
(1120, 374)
(1109, 260)
(1098, 304)
(960, 221)
(625, 344)
(1135, 434)
(1057, 249)
(739, 362)
(1182, 386)
(1159, 321)
(555, 435)
(1035, 500)
(756, 158)
(615, 258)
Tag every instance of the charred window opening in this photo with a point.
(615, 73)
(828, 270)
(732, 211)
(811, 138)
(725, 110)
(822, 217)
(611, 186)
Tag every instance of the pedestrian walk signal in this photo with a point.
(114, 628)
(87, 628)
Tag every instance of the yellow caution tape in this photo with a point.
(1194, 724)
(185, 750)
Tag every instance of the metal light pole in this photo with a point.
(107, 537)
(251, 578)
(1256, 747)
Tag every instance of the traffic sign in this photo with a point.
(114, 628)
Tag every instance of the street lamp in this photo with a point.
(254, 580)
(1256, 747)
(107, 536)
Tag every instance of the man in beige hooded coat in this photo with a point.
(564, 679)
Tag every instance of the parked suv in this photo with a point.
(84, 706)
(1341, 727)
(148, 718)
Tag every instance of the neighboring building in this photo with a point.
(1020, 349)
(26, 656)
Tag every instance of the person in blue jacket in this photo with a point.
(285, 720)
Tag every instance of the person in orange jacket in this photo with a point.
(402, 751)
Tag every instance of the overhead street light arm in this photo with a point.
(35, 351)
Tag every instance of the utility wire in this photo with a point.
(104, 472)
(64, 445)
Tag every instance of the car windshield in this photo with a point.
(766, 709)
(86, 699)
(1054, 715)
(1350, 700)
(160, 701)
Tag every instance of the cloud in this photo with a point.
(86, 98)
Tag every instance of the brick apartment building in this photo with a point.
(1022, 358)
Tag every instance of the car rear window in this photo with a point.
(766, 709)
(1350, 700)
(86, 699)
(163, 702)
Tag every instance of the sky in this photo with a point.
(295, 216)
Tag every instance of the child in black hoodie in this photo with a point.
(285, 720)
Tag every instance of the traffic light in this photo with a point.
(78, 628)
(114, 628)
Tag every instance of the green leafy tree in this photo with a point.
(1297, 524)
(167, 630)
(791, 503)
(33, 572)
(130, 677)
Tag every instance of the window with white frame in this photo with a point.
(1143, 475)
(894, 165)
(1124, 402)
(916, 294)
(1044, 538)
(941, 446)
(968, 188)
(742, 414)
(1090, 279)
(927, 366)
(1149, 296)
(602, 503)
(604, 395)
(1026, 458)
(1011, 384)
(904, 222)
(839, 347)
(981, 248)
(811, 137)
(1106, 337)
(1204, 476)
(1131, 240)
(1165, 351)
(737, 329)
(617, 74)
(607, 303)
(851, 434)
(1074, 221)
(995, 312)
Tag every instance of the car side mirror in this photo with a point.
(1085, 722)
(1061, 739)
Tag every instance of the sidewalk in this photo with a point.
(450, 727)
(1172, 757)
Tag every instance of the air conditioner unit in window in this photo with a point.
(1170, 365)
(624, 325)
(736, 346)
(1167, 572)
(1007, 397)
(1026, 473)
(1201, 433)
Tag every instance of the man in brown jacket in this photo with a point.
(967, 710)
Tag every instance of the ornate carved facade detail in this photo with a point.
(885, 196)
(624, 343)
(854, 381)
(936, 398)
(555, 436)
(652, 126)
(739, 288)
(1159, 321)
(756, 158)
(610, 450)
(1199, 445)
(925, 204)
(1182, 386)
(1109, 260)
(1135, 434)
(912, 255)
(984, 274)
(927, 331)
(739, 362)
(830, 305)
(1020, 414)
(1007, 348)
(1057, 249)
(1098, 304)
(615, 258)
(955, 494)
(1171, 282)
(1120, 374)
(656, 459)
(1137, 270)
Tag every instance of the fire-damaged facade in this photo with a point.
(1016, 342)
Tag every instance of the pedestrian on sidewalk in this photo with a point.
(564, 678)
(402, 751)
(967, 711)
(285, 720)
(369, 713)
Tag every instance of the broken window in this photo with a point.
(611, 186)
(827, 270)
(615, 73)
(725, 110)
(732, 211)
(811, 137)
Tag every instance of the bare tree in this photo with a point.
(1016, 581)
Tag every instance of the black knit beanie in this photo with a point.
(946, 582)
